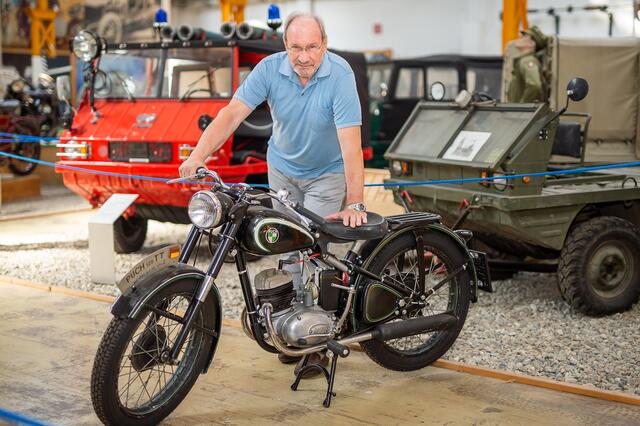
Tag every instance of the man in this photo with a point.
(527, 82)
(315, 149)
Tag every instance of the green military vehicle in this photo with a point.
(582, 225)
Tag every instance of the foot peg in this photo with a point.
(335, 350)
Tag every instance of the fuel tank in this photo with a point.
(267, 231)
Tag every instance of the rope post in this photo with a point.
(102, 257)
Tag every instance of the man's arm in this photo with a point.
(351, 147)
(214, 136)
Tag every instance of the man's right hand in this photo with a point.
(190, 166)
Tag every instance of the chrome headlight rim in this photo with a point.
(211, 199)
(86, 45)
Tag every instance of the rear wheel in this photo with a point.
(129, 233)
(398, 262)
(599, 266)
(132, 383)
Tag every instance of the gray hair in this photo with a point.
(295, 15)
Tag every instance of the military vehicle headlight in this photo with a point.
(401, 168)
(396, 167)
(86, 45)
(499, 184)
(205, 209)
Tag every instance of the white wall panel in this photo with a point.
(422, 27)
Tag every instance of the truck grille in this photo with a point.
(140, 152)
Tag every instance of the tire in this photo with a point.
(456, 294)
(25, 149)
(599, 266)
(129, 233)
(115, 363)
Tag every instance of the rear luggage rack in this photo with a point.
(418, 218)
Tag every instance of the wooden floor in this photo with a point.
(48, 342)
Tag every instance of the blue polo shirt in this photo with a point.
(304, 142)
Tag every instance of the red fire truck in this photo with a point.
(142, 111)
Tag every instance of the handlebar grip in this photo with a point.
(338, 348)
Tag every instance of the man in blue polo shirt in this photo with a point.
(315, 148)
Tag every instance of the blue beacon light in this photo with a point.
(273, 20)
(161, 18)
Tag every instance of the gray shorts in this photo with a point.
(323, 195)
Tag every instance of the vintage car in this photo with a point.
(396, 86)
(143, 110)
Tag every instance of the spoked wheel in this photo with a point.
(398, 262)
(28, 150)
(133, 381)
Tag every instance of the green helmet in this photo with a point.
(538, 37)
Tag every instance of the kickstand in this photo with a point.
(335, 350)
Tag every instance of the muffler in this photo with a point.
(396, 330)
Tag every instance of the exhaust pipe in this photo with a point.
(395, 330)
(185, 33)
(167, 33)
(228, 30)
(382, 332)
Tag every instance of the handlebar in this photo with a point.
(281, 197)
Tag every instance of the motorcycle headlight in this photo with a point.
(86, 45)
(207, 209)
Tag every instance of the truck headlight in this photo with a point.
(207, 209)
(86, 45)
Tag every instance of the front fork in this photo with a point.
(228, 233)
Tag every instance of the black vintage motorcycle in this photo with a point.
(402, 292)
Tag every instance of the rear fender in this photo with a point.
(369, 252)
(130, 304)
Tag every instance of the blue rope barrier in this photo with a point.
(395, 184)
(27, 137)
(18, 419)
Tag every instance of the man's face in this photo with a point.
(305, 46)
(525, 43)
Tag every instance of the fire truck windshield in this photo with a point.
(179, 73)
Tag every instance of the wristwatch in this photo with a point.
(359, 207)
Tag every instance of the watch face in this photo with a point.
(357, 207)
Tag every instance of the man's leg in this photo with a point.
(277, 181)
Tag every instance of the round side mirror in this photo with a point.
(577, 89)
(437, 91)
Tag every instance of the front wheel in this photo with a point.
(599, 266)
(132, 383)
(398, 262)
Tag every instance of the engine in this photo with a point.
(298, 324)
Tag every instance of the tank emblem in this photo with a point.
(272, 235)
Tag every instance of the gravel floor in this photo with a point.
(522, 327)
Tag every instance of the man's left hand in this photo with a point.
(352, 218)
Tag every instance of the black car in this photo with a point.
(395, 86)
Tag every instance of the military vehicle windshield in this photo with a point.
(173, 73)
(478, 138)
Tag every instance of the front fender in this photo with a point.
(130, 304)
